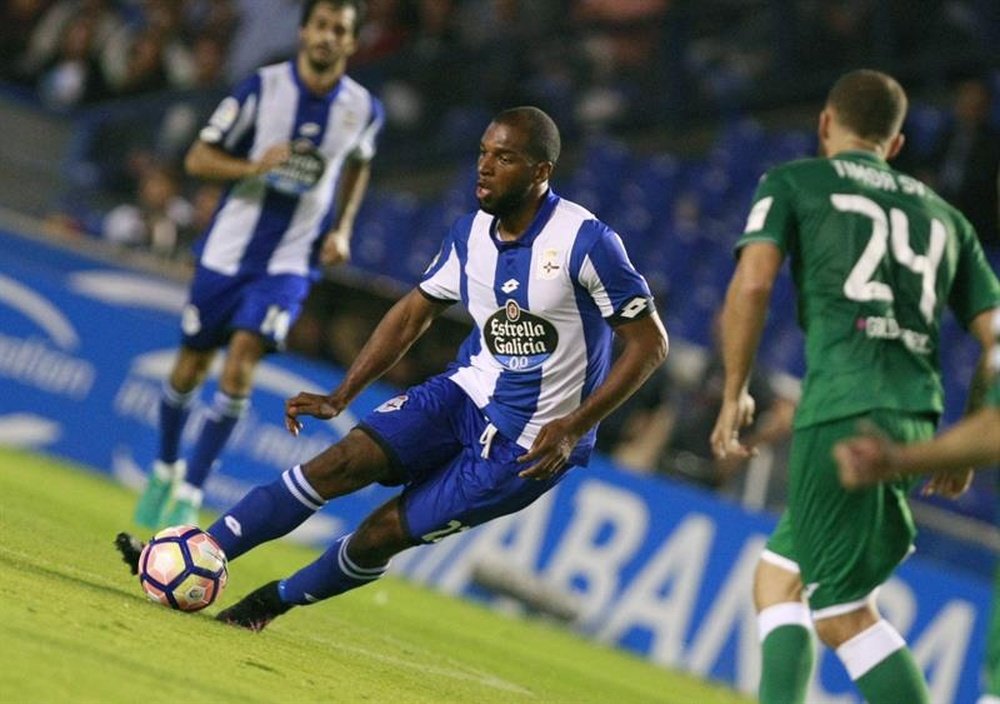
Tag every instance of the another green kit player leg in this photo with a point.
(991, 674)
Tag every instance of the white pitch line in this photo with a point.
(467, 675)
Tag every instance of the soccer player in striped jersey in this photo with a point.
(293, 141)
(875, 255)
(547, 285)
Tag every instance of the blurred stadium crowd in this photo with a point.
(670, 110)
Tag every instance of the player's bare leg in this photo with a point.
(350, 464)
(875, 656)
(785, 630)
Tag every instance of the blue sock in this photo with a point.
(174, 410)
(226, 412)
(269, 511)
(333, 573)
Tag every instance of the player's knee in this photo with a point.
(837, 630)
(348, 465)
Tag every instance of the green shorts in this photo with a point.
(844, 544)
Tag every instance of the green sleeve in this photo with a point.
(975, 288)
(772, 215)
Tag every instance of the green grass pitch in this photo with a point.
(75, 627)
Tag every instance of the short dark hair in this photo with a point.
(544, 143)
(359, 11)
(869, 103)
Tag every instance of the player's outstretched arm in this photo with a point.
(742, 322)
(972, 442)
(207, 161)
(405, 322)
(646, 346)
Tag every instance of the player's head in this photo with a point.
(328, 31)
(865, 108)
(517, 154)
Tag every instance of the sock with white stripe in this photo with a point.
(882, 667)
(333, 573)
(267, 512)
(225, 414)
(787, 653)
(175, 407)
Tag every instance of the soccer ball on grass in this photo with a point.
(183, 567)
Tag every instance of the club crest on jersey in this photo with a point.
(518, 339)
(548, 264)
(350, 120)
(393, 404)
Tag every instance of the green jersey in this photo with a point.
(875, 255)
(993, 394)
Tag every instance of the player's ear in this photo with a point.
(543, 171)
(894, 146)
(823, 127)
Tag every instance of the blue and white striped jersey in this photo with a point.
(264, 228)
(543, 307)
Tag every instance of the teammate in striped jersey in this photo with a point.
(547, 285)
(293, 141)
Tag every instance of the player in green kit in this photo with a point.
(875, 255)
(972, 442)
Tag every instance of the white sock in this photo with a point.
(188, 492)
(870, 647)
(790, 613)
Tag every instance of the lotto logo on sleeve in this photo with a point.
(634, 307)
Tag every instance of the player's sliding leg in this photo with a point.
(875, 656)
(785, 630)
(472, 488)
(267, 512)
(130, 548)
(353, 560)
(272, 510)
(169, 469)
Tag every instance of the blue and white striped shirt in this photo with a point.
(543, 307)
(257, 228)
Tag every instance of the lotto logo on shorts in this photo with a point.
(393, 404)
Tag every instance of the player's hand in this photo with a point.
(336, 248)
(549, 454)
(864, 460)
(273, 156)
(307, 404)
(949, 485)
(734, 415)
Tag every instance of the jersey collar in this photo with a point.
(328, 97)
(862, 154)
(540, 220)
